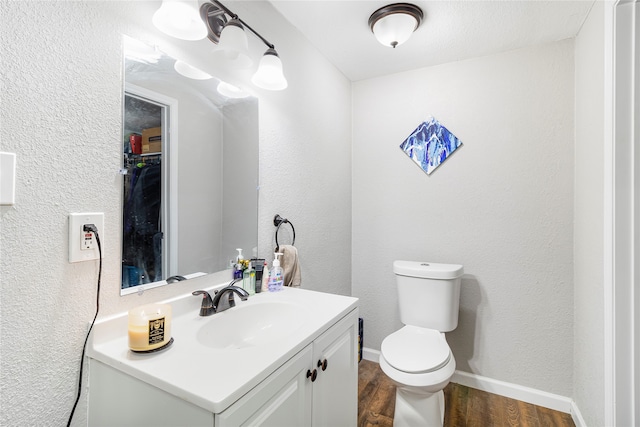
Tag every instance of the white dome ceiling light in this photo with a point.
(393, 24)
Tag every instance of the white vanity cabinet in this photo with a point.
(301, 393)
(307, 376)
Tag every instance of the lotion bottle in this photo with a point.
(276, 275)
(249, 279)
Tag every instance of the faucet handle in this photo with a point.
(207, 308)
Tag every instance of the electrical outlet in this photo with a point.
(82, 244)
(87, 240)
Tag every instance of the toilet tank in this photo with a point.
(428, 294)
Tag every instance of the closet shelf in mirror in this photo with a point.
(140, 160)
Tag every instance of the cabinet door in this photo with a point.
(281, 400)
(335, 390)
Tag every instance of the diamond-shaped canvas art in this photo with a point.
(430, 145)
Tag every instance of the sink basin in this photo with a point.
(251, 325)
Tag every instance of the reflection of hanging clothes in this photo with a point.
(132, 176)
(143, 245)
(146, 200)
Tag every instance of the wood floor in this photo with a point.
(464, 406)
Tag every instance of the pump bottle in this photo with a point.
(276, 275)
(249, 279)
(237, 271)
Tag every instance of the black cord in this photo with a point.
(94, 229)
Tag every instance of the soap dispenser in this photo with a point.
(237, 271)
(276, 275)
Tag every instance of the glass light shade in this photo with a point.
(269, 74)
(394, 29)
(180, 19)
(231, 91)
(190, 71)
(234, 46)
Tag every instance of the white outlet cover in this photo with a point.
(76, 223)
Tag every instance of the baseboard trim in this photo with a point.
(577, 416)
(514, 391)
(502, 388)
(371, 354)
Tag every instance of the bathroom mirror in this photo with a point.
(190, 172)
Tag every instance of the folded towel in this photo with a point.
(290, 265)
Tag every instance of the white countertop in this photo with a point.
(212, 378)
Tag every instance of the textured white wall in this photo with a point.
(305, 158)
(588, 369)
(502, 206)
(61, 114)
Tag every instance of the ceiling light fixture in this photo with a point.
(393, 24)
(229, 34)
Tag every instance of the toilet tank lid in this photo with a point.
(428, 270)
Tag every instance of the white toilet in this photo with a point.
(417, 357)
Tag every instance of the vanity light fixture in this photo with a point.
(229, 34)
(179, 19)
(393, 24)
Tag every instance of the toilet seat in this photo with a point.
(416, 350)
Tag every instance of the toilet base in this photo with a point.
(418, 409)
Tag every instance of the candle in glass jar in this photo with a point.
(149, 327)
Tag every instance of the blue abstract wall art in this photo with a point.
(430, 145)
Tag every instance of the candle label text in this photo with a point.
(156, 331)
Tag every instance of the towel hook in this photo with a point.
(278, 221)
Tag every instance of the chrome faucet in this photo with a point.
(222, 300)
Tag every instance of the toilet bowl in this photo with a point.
(417, 357)
(420, 364)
